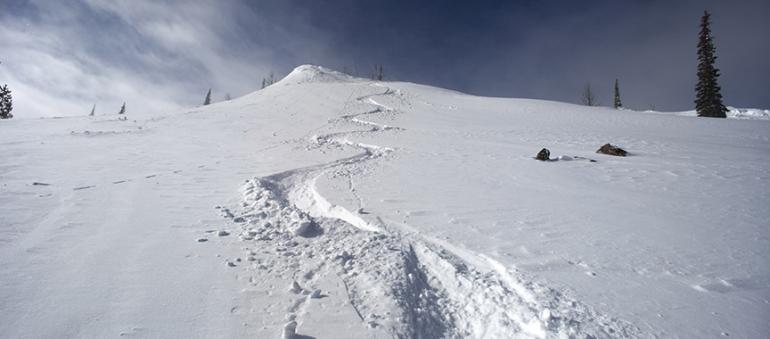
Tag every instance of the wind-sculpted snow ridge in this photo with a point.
(399, 282)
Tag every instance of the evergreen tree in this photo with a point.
(268, 81)
(588, 98)
(6, 103)
(616, 103)
(123, 108)
(93, 111)
(207, 101)
(379, 74)
(228, 97)
(708, 99)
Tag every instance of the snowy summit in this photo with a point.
(329, 206)
(313, 73)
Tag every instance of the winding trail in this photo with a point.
(398, 280)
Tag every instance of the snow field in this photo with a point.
(381, 210)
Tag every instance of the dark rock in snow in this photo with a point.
(612, 150)
(543, 155)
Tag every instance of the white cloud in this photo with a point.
(153, 55)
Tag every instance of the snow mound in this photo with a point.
(313, 73)
(748, 113)
(735, 113)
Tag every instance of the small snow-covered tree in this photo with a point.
(228, 97)
(122, 109)
(268, 81)
(588, 98)
(708, 97)
(616, 101)
(379, 73)
(93, 111)
(6, 103)
(207, 101)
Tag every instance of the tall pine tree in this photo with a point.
(708, 99)
(207, 101)
(616, 102)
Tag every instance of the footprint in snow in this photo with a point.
(131, 332)
(295, 288)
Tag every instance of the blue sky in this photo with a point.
(61, 57)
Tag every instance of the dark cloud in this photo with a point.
(550, 49)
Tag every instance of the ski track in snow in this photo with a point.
(399, 281)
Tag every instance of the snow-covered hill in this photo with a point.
(328, 206)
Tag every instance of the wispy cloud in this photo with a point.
(65, 56)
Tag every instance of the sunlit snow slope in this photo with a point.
(326, 206)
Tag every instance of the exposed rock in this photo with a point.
(543, 155)
(612, 150)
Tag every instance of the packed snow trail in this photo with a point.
(398, 281)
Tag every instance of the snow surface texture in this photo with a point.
(734, 113)
(380, 210)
